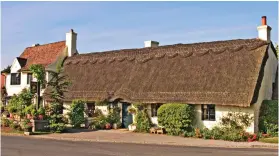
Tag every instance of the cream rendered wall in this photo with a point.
(265, 92)
(219, 112)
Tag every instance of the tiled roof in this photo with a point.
(42, 54)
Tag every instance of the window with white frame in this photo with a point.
(15, 78)
(208, 112)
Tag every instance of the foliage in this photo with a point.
(41, 111)
(99, 121)
(18, 103)
(58, 84)
(5, 122)
(268, 118)
(76, 113)
(34, 112)
(12, 109)
(15, 125)
(236, 120)
(132, 110)
(28, 109)
(27, 124)
(176, 118)
(56, 120)
(269, 140)
(7, 69)
(114, 115)
(143, 122)
(39, 72)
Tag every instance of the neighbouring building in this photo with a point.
(47, 55)
(216, 77)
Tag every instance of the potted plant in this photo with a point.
(132, 127)
(132, 110)
(34, 113)
(108, 126)
(12, 110)
(27, 125)
(41, 113)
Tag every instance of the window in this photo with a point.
(15, 78)
(90, 109)
(29, 78)
(154, 109)
(208, 112)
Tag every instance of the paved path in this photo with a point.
(121, 136)
(27, 146)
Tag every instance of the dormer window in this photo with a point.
(15, 78)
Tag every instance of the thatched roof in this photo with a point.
(221, 73)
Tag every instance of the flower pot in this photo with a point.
(114, 126)
(108, 126)
(132, 127)
(41, 117)
(28, 129)
(28, 116)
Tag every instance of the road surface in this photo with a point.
(26, 146)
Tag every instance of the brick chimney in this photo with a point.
(151, 44)
(264, 30)
(71, 42)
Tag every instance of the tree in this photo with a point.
(7, 69)
(58, 84)
(39, 73)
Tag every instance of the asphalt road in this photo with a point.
(26, 146)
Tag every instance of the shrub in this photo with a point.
(5, 122)
(14, 125)
(206, 133)
(268, 119)
(216, 133)
(143, 122)
(114, 115)
(41, 111)
(176, 118)
(236, 120)
(76, 114)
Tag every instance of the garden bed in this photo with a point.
(10, 130)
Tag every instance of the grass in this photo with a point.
(273, 140)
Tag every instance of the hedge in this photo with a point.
(268, 115)
(176, 118)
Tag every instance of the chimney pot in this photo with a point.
(151, 44)
(34, 45)
(264, 20)
(264, 31)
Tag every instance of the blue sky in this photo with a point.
(119, 25)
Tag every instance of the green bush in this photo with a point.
(268, 119)
(76, 114)
(176, 118)
(41, 111)
(114, 115)
(14, 125)
(5, 122)
(143, 122)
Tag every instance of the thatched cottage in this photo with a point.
(216, 77)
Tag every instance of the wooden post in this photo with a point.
(38, 95)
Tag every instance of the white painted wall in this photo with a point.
(220, 111)
(16, 89)
(265, 92)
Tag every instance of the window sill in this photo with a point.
(208, 120)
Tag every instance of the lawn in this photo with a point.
(273, 140)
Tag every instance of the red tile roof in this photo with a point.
(42, 54)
